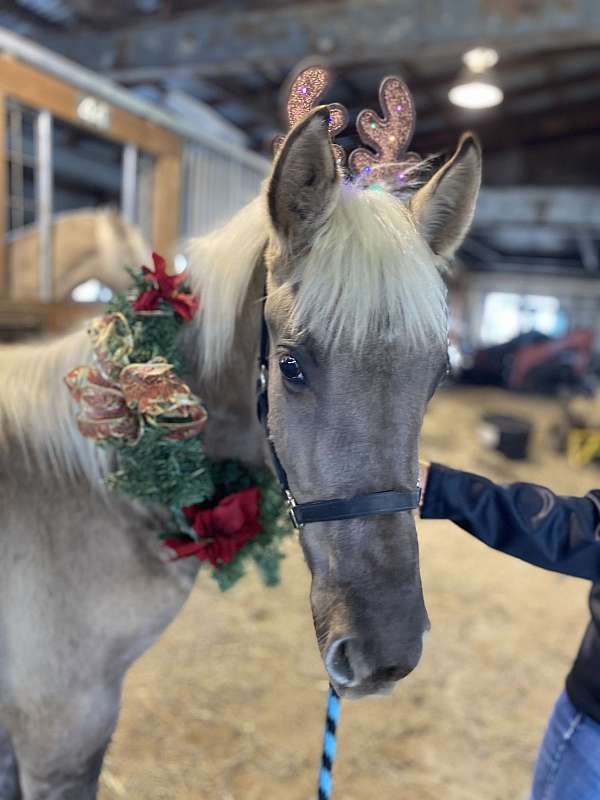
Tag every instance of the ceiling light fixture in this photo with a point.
(476, 85)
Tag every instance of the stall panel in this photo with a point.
(21, 165)
(215, 186)
(86, 187)
(74, 207)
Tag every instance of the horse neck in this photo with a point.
(233, 430)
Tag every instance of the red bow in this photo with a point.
(222, 530)
(165, 289)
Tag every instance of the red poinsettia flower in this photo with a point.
(165, 288)
(223, 530)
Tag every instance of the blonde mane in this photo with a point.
(368, 273)
(36, 410)
(221, 267)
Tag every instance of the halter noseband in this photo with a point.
(361, 505)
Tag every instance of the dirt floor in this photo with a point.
(229, 704)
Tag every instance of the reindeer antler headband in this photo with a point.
(304, 93)
(388, 136)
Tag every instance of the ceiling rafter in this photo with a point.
(229, 41)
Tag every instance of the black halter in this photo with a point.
(362, 505)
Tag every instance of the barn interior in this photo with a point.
(133, 125)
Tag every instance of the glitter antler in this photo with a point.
(388, 136)
(304, 94)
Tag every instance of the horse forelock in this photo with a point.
(368, 273)
(369, 276)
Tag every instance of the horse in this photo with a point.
(350, 284)
(87, 243)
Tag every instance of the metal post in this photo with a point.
(43, 200)
(4, 200)
(129, 168)
(17, 194)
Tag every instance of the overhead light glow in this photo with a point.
(476, 94)
(480, 58)
(476, 86)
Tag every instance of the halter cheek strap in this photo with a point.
(361, 505)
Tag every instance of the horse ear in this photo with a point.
(305, 180)
(443, 208)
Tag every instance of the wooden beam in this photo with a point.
(165, 203)
(229, 40)
(515, 130)
(559, 207)
(35, 88)
(20, 318)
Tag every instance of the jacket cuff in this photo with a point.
(433, 506)
(594, 496)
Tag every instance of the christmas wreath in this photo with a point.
(133, 400)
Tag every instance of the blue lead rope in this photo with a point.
(329, 744)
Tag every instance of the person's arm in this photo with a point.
(561, 534)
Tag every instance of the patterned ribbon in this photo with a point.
(329, 744)
(117, 399)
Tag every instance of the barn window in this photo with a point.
(91, 291)
(507, 314)
(180, 263)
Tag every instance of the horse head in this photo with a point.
(357, 322)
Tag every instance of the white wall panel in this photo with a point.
(215, 186)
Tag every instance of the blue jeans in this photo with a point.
(568, 764)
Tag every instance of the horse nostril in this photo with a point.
(338, 662)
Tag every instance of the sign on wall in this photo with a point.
(94, 112)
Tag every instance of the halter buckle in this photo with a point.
(291, 509)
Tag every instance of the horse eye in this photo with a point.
(291, 370)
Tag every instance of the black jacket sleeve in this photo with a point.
(529, 522)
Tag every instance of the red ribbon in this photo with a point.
(165, 288)
(222, 530)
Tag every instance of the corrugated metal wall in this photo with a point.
(215, 186)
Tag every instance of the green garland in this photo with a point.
(177, 473)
